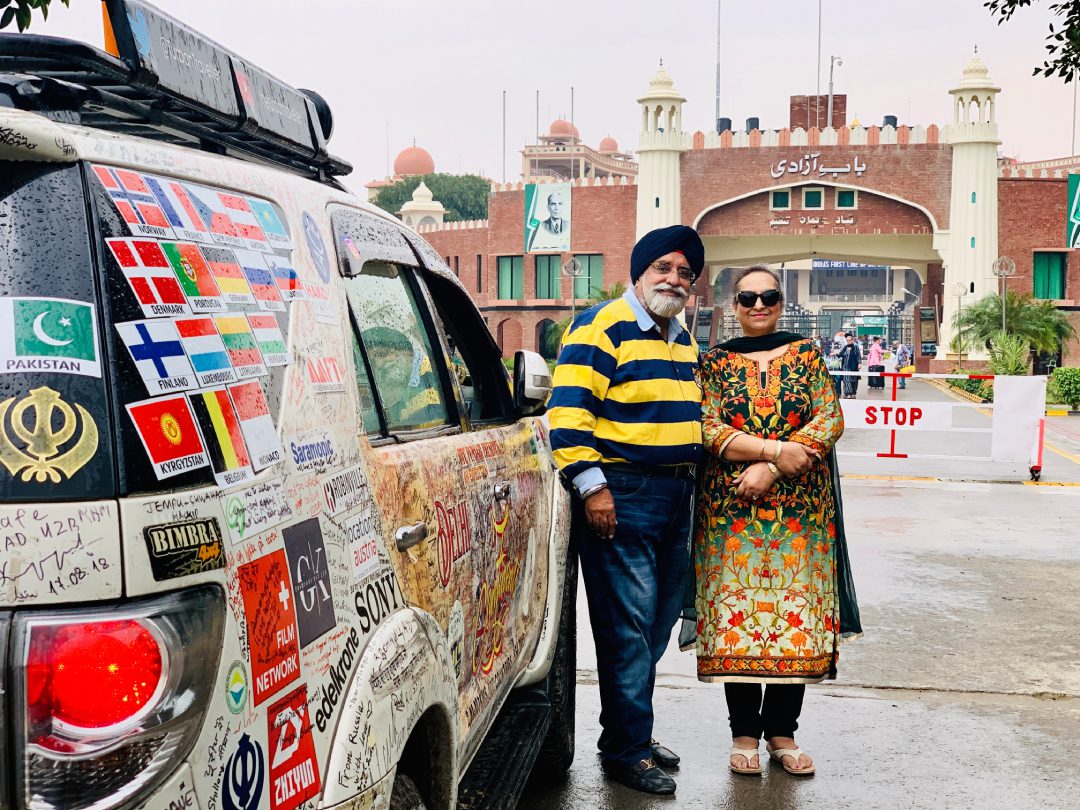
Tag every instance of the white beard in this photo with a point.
(664, 306)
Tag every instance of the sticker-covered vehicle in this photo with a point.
(276, 529)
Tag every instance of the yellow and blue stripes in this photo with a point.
(624, 394)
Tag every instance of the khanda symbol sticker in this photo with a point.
(36, 445)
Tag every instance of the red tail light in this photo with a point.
(94, 677)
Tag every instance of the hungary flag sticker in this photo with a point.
(48, 334)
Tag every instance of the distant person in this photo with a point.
(774, 594)
(874, 362)
(903, 360)
(850, 360)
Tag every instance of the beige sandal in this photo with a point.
(778, 754)
(748, 753)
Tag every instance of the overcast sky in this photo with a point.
(435, 70)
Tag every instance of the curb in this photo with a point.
(944, 386)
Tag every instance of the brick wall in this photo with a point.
(919, 173)
(1032, 217)
(603, 221)
(804, 113)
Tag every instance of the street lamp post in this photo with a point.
(834, 61)
(959, 290)
(572, 268)
(1003, 267)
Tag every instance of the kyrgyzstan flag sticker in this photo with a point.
(257, 424)
(167, 429)
(228, 453)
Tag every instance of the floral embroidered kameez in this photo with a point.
(767, 598)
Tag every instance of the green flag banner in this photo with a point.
(48, 334)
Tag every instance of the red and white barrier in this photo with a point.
(1017, 418)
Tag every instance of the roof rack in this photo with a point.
(169, 84)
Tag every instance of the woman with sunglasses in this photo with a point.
(773, 590)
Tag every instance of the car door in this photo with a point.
(456, 490)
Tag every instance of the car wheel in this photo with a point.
(406, 796)
(557, 750)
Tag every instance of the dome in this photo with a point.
(975, 76)
(423, 194)
(608, 144)
(414, 160)
(561, 128)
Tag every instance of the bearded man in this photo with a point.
(626, 433)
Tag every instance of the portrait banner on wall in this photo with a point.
(547, 218)
(1073, 233)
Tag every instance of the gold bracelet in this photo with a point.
(776, 455)
(773, 470)
(761, 452)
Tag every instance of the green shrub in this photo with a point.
(1009, 355)
(1067, 381)
(1053, 393)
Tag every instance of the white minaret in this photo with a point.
(423, 209)
(973, 210)
(659, 148)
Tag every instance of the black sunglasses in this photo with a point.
(769, 298)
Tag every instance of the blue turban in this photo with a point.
(663, 241)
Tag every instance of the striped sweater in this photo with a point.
(623, 394)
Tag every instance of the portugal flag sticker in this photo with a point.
(228, 453)
(195, 277)
(168, 433)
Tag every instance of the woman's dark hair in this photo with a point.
(754, 268)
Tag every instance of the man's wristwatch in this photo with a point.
(593, 490)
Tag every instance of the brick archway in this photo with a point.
(508, 334)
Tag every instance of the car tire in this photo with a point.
(405, 795)
(557, 750)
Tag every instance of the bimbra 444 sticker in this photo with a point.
(185, 548)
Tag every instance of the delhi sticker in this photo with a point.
(48, 335)
(43, 438)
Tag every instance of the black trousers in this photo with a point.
(775, 716)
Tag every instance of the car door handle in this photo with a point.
(502, 491)
(409, 536)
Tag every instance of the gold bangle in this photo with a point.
(773, 470)
(776, 455)
(761, 452)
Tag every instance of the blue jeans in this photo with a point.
(634, 584)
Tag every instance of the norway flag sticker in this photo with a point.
(135, 202)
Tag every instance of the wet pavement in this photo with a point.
(965, 689)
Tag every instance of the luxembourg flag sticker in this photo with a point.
(206, 350)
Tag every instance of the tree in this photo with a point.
(1010, 355)
(1039, 322)
(19, 11)
(554, 334)
(464, 196)
(1063, 42)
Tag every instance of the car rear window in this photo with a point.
(55, 425)
(196, 318)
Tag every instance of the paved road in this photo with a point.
(965, 690)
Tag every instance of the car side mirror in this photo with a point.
(532, 382)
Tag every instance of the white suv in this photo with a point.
(276, 530)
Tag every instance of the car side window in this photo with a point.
(397, 347)
(475, 359)
(369, 413)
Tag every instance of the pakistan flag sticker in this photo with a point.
(48, 335)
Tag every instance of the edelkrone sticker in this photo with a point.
(185, 548)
